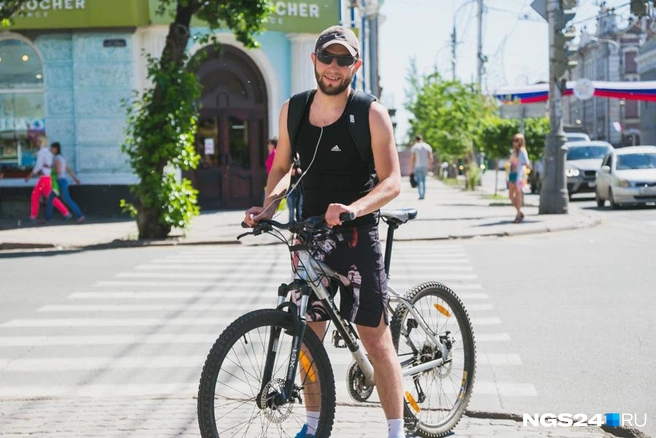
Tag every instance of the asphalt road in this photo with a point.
(564, 321)
(579, 309)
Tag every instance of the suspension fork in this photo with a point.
(299, 326)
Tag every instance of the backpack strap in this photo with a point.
(357, 108)
(358, 114)
(297, 106)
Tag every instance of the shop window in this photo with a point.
(22, 114)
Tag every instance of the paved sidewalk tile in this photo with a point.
(176, 417)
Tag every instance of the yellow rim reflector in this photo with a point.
(412, 402)
(307, 366)
(442, 310)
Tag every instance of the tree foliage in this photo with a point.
(162, 121)
(168, 137)
(9, 9)
(446, 113)
(497, 134)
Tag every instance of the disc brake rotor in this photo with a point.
(274, 412)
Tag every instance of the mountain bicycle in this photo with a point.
(266, 369)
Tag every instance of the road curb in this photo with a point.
(9, 246)
(612, 431)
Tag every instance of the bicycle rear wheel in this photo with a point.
(435, 399)
(235, 399)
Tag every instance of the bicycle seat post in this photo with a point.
(391, 227)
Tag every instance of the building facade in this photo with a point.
(610, 55)
(67, 67)
(647, 69)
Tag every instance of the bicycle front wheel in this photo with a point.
(242, 386)
(436, 398)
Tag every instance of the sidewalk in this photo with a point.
(446, 213)
(176, 417)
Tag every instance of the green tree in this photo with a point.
(535, 131)
(9, 9)
(497, 133)
(162, 121)
(447, 114)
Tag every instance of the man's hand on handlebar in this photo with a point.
(255, 214)
(335, 210)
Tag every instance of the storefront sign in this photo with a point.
(69, 14)
(298, 16)
(303, 16)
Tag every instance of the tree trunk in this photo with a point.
(149, 225)
(148, 218)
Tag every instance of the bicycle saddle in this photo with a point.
(401, 215)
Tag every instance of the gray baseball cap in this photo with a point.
(338, 35)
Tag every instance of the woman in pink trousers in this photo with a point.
(43, 186)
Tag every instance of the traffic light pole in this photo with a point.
(553, 196)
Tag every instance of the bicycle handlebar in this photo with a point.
(295, 227)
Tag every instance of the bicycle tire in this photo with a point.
(228, 406)
(428, 418)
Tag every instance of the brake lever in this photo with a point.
(244, 235)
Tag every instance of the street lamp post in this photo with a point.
(553, 196)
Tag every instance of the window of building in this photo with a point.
(631, 110)
(22, 113)
(630, 65)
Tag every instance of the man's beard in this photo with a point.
(332, 91)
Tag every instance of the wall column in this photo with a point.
(302, 70)
(151, 40)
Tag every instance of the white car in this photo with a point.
(627, 176)
(583, 160)
(577, 136)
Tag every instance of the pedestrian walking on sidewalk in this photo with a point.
(295, 193)
(43, 186)
(60, 169)
(337, 179)
(518, 163)
(421, 162)
(272, 144)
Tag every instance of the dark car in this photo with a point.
(583, 161)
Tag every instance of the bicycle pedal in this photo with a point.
(338, 341)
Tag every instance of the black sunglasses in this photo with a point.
(342, 60)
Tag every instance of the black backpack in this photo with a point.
(358, 112)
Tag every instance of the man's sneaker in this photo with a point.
(303, 433)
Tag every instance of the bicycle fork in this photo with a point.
(299, 325)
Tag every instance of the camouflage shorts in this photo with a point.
(356, 254)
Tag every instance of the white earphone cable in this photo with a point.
(316, 148)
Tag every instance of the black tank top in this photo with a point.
(337, 174)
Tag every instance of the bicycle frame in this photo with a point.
(315, 273)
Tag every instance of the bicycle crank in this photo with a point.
(357, 388)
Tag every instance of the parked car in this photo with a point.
(535, 176)
(627, 176)
(577, 136)
(583, 160)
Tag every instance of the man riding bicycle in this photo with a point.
(335, 180)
